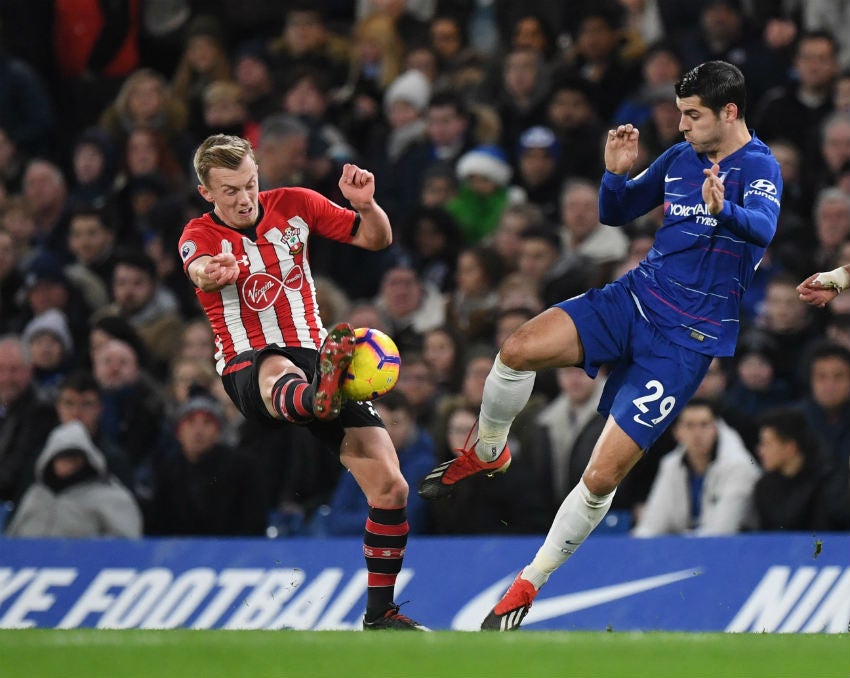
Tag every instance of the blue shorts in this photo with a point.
(651, 378)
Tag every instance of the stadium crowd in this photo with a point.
(483, 122)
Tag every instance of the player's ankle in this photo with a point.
(488, 452)
(534, 575)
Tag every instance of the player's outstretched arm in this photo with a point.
(821, 288)
(210, 274)
(358, 187)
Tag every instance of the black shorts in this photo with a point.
(241, 382)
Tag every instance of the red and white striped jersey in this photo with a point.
(274, 299)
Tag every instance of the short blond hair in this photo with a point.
(220, 150)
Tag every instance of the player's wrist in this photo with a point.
(837, 279)
(365, 206)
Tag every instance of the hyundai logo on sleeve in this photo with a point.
(763, 185)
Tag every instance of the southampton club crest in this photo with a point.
(292, 238)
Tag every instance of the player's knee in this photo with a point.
(600, 481)
(268, 380)
(392, 491)
(272, 367)
(398, 490)
(512, 352)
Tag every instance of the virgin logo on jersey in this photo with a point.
(260, 291)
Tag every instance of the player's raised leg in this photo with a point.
(288, 395)
(547, 340)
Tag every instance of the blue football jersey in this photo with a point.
(691, 282)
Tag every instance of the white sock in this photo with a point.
(506, 392)
(580, 513)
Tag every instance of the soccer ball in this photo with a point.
(374, 367)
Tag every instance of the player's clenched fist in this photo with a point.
(357, 185)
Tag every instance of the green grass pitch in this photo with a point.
(318, 654)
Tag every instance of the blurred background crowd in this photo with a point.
(483, 122)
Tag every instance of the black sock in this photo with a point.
(292, 398)
(383, 545)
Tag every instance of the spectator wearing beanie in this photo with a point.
(51, 348)
(538, 157)
(413, 90)
(47, 286)
(401, 155)
(484, 192)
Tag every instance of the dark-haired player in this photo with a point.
(658, 326)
